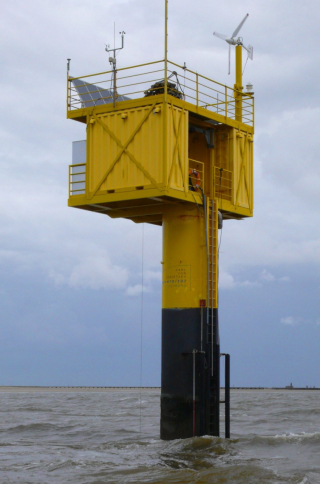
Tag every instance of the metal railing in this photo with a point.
(77, 179)
(148, 79)
(223, 183)
(226, 400)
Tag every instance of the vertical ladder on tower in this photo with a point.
(212, 224)
(213, 252)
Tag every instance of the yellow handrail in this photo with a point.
(75, 182)
(195, 88)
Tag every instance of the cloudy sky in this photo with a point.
(70, 281)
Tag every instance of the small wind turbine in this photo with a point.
(236, 41)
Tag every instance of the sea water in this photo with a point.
(113, 437)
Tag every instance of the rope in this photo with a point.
(141, 322)
(245, 65)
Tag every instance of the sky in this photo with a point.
(71, 306)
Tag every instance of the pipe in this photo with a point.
(227, 396)
(207, 247)
(201, 328)
(212, 270)
(194, 394)
(166, 51)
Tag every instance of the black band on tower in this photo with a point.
(181, 337)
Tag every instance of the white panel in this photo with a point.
(79, 152)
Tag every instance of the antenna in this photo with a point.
(233, 41)
(113, 60)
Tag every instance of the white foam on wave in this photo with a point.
(304, 481)
(293, 436)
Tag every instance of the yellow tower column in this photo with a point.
(184, 257)
(238, 85)
(190, 346)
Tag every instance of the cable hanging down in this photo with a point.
(141, 320)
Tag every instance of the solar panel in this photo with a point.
(92, 95)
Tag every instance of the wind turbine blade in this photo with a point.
(229, 62)
(249, 49)
(235, 33)
(221, 36)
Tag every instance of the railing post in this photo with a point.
(114, 87)
(252, 111)
(67, 94)
(197, 87)
(225, 102)
(68, 88)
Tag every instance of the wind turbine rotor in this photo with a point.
(235, 33)
(221, 36)
(235, 41)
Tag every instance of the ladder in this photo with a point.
(214, 375)
(212, 224)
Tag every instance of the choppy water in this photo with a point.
(95, 438)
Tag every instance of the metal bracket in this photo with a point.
(208, 132)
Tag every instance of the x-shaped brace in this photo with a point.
(124, 149)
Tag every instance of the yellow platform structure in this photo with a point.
(142, 142)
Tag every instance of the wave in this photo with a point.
(289, 438)
(34, 428)
(292, 412)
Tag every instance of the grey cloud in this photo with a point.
(42, 239)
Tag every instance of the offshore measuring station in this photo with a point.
(171, 147)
